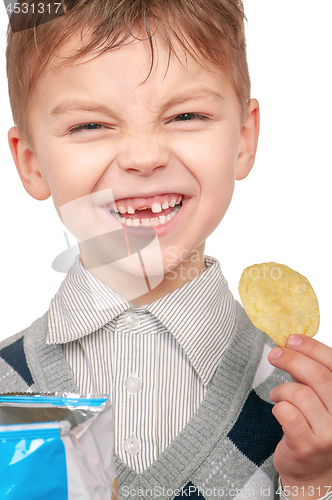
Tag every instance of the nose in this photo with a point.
(143, 155)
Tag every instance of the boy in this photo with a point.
(118, 137)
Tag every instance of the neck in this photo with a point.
(137, 289)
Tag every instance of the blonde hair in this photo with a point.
(213, 29)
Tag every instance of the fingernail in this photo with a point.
(271, 393)
(294, 340)
(275, 353)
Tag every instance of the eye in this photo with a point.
(85, 126)
(185, 117)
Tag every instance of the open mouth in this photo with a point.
(150, 212)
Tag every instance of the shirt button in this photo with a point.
(131, 320)
(132, 445)
(133, 384)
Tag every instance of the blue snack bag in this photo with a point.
(56, 447)
(28, 454)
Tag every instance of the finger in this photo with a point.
(312, 349)
(307, 402)
(297, 433)
(305, 370)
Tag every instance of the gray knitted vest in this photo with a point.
(226, 449)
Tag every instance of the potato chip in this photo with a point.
(279, 301)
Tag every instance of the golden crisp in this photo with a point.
(115, 496)
(279, 301)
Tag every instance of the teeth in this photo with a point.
(156, 207)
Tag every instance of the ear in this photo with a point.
(248, 140)
(28, 167)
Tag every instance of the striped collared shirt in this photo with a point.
(155, 361)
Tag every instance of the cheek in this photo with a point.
(217, 179)
(215, 151)
(214, 166)
(70, 173)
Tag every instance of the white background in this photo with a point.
(280, 213)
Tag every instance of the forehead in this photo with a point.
(135, 44)
(130, 68)
(120, 78)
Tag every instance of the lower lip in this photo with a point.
(161, 229)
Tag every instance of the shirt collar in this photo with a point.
(200, 314)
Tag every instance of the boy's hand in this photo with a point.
(303, 458)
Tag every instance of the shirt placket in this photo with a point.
(135, 390)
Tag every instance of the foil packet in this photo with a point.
(56, 446)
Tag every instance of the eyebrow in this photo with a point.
(67, 106)
(193, 95)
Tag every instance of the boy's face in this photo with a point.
(97, 129)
